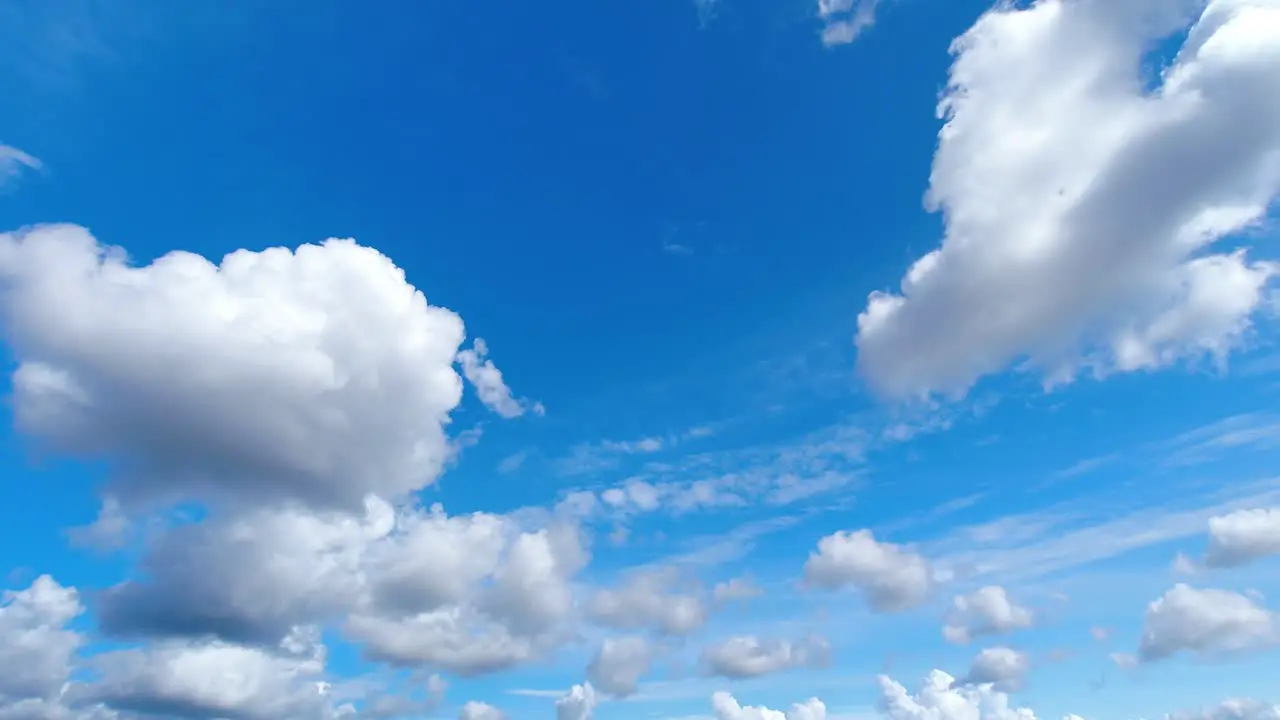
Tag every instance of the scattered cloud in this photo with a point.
(844, 20)
(988, 611)
(13, 163)
(1242, 537)
(726, 707)
(480, 371)
(892, 578)
(747, 656)
(1004, 669)
(1205, 622)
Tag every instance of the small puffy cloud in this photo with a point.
(1205, 622)
(987, 611)
(1243, 537)
(1003, 668)
(1085, 215)
(619, 664)
(475, 710)
(844, 20)
(891, 577)
(745, 656)
(316, 376)
(648, 599)
(578, 703)
(37, 647)
(1232, 709)
(726, 707)
(941, 698)
(734, 589)
(486, 378)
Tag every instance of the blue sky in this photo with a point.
(591, 360)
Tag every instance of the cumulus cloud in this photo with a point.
(1205, 622)
(987, 611)
(1085, 214)
(746, 656)
(1242, 537)
(1005, 669)
(726, 707)
(316, 376)
(891, 577)
(1232, 709)
(480, 371)
(37, 647)
(619, 664)
(649, 599)
(217, 679)
(579, 703)
(475, 710)
(941, 698)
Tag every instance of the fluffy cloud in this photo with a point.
(1209, 621)
(726, 707)
(318, 376)
(1005, 669)
(1243, 537)
(1083, 212)
(579, 703)
(216, 679)
(648, 599)
(890, 576)
(619, 664)
(480, 711)
(487, 380)
(1234, 709)
(36, 647)
(748, 656)
(940, 698)
(987, 611)
(844, 20)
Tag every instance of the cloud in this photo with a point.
(13, 162)
(480, 371)
(579, 703)
(475, 710)
(216, 679)
(647, 599)
(1204, 622)
(726, 707)
(747, 656)
(734, 589)
(1083, 214)
(1233, 709)
(37, 647)
(619, 664)
(316, 376)
(1005, 669)
(988, 611)
(844, 20)
(940, 698)
(891, 577)
(1242, 537)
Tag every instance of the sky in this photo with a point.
(680, 359)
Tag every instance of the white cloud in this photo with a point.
(726, 707)
(37, 647)
(619, 664)
(1242, 537)
(987, 611)
(1005, 669)
(745, 656)
(743, 588)
(318, 376)
(844, 20)
(940, 698)
(648, 599)
(1206, 622)
(1233, 709)
(13, 162)
(1083, 213)
(892, 577)
(480, 371)
(216, 679)
(475, 710)
(579, 703)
